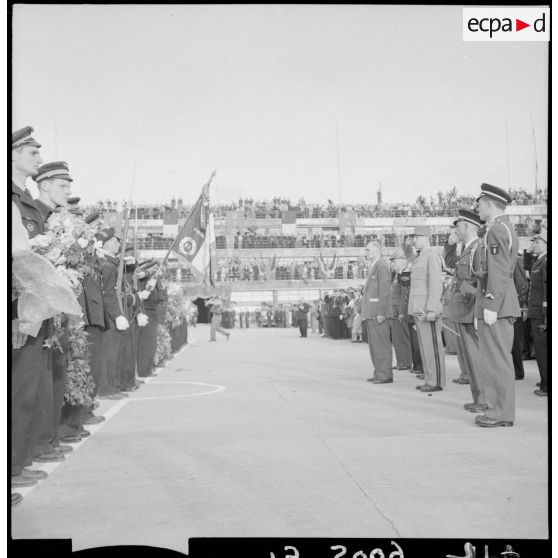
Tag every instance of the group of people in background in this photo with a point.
(88, 319)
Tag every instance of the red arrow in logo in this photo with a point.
(519, 25)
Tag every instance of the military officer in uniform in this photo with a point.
(407, 320)
(301, 318)
(109, 382)
(398, 330)
(54, 183)
(374, 310)
(462, 308)
(150, 293)
(30, 360)
(425, 305)
(496, 306)
(537, 307)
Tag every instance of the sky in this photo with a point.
(323, 102)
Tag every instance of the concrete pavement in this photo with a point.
(271, 435)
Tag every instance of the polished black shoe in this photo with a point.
(34, 474)
(71, 439)
(462, 381)
(84, 433)
(16, 498)
(477, 408)
(388, 381)
(421, 386)
(370, 379)
(541, 393)
(430, 389)
(466, 406)
(63, 449)
(19, 481)
(488, 422)
(94, 420)
(49, 457)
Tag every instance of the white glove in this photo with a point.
(144, 294)
(151, 283)
(122, 323)
(490, 317)
(476, 324)
(143, 320)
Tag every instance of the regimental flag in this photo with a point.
(196, 241)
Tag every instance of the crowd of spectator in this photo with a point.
(444, 204)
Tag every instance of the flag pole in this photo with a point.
(200, 200)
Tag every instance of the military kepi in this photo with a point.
(422, 230)
(469, 216)
(494, 193)
(23, 137)
(59, 169)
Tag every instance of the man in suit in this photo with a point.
(462, 308)
(425, 305)
(537, 307)
(496, 306)
(374, 309)
(521, 283)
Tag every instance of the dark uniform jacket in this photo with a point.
(109, 276)
(537, 302)
(404, 279)
(395, 298)
(464, 287)
(44, 209)
(376, 292)
(31, 218)
(302, 313)
(92, 301)
(493, 264)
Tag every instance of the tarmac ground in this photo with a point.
(272, 435)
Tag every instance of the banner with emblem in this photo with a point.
(195, 243)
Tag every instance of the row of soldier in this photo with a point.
(483, 298)
(121, 331)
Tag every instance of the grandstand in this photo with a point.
(281, 252)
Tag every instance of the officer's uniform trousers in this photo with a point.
(31, 378)
(495, 344)
(539, 340)
(109, 382)
(468, 354)
(415, 347)
(48, 437)
(401, 342)
(432, 352)
(517, 350)
(379, 345)
(303, 327)
(127, 355)
(147, 343)
(449, 337)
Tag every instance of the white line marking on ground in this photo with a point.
(181, 396)
(50, 467)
